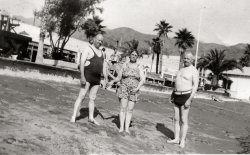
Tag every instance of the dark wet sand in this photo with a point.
(34, 119)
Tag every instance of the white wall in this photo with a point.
(240, 87)
(170, 63)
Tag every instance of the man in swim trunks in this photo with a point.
(186, 85)
(91, 67)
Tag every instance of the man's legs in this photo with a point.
(92, 96)
(177, 127)
(129, 113)
(81, 96)
(184, 120)
(123, 108)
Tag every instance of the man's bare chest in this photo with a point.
(185, 74)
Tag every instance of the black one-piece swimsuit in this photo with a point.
(93, 71)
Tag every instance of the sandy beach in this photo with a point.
(35, 114)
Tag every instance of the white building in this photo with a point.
(240, 88)
(170, 63)
(74, 47)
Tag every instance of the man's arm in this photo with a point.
(195, 81)
(84, 57)
(105, 71)
(171, 99)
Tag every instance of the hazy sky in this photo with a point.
(223, 21)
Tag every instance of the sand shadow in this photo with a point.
(84, 112)
(166, 131)
(115, 120)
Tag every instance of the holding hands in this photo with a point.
(109, 84)
(171, 99)
(135, 90)
(83, 81)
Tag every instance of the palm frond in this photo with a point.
(216, 62)
(184, 39)
(163, 28)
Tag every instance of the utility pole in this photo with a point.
(39, 55)
(198, 39)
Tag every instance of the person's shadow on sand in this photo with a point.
(166, 131)
(84, 112)
(115, 120)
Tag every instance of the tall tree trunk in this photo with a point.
(39, 55)
(161, 54)
(153, 56)
(157, 62)
(214, 80)
(181, 59)
(160, 63)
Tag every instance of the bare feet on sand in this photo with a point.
(128, 132)
(174, 141)
(182, 144)
(121, 130)
(93, 121)
(73, 119)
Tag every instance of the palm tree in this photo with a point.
(93, 27)
(163, 28)
(157, 49)
(184, 39)
(216, 62)
(132, 45)
(245, 59)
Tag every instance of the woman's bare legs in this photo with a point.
(129, 114)
(123, 108)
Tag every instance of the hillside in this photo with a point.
(124, 34)
(30, 21)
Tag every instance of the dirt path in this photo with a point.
(34, 119)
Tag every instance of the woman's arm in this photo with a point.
(142, 78)
(109, 74)
(118, 78)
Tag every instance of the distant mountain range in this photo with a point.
(124, 34)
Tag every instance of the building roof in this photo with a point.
(73, 44)
(237, 72)
(33, 32)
